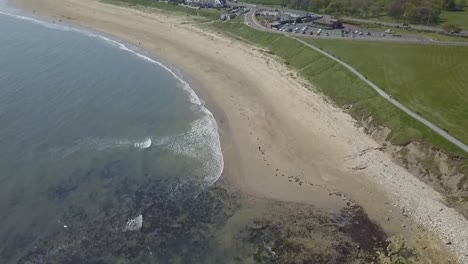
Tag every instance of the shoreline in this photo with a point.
(255, 111)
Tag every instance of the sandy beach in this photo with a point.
(281, 140)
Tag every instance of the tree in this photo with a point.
(396, 9)
(453, 5)
(333, 7)
(316, 5)
(448, 4)
(460, 4)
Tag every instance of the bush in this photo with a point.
(452, 28)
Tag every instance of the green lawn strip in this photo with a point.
(455, 17)
(344, 88)
(429, 79)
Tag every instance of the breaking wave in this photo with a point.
(144, 144)
(200, 142)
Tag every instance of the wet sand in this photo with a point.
(280, 140)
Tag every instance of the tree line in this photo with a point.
(411, 11)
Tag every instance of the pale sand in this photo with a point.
(298, 132)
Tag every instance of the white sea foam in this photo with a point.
(143, 145)
(200, 142)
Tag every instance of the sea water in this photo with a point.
(94, 134)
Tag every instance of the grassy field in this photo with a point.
(431, 80)
(344, 88)
(455, 17)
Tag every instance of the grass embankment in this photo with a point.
(343, 87)
(428, 79)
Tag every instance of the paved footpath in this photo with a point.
(251, 21)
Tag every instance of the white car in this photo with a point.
(319, 31)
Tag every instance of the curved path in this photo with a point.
(251, 21)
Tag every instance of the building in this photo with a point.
(227, 16)
(328, 23)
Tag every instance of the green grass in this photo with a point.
(344, 88)
(428, 79)
(455, 17)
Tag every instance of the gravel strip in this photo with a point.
(413, 197)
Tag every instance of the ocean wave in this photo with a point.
(144, 144)
(200, 142)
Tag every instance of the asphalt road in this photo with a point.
(391, 24)
(251, 21)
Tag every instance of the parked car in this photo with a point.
(326, 34)
(360, 33)
(368, 33)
